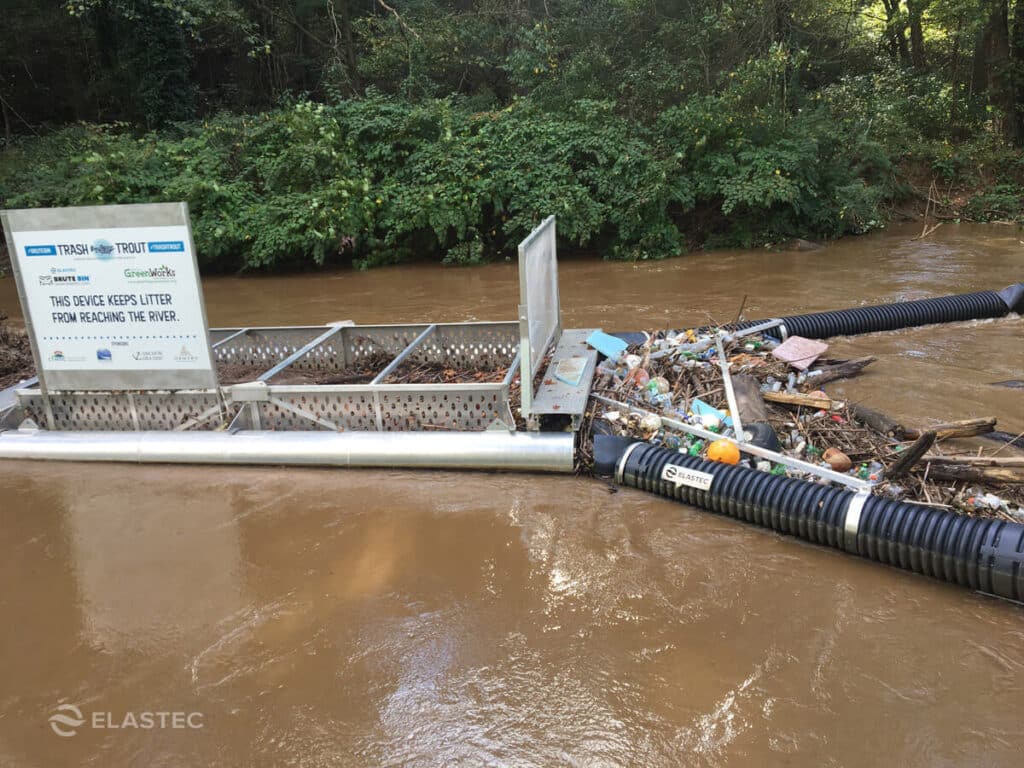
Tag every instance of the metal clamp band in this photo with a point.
(622, 462)
(852, 524)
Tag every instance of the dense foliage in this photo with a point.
(327, 130)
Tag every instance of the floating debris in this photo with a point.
(676, 378)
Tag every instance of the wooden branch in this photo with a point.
(945, 471)
(911, 455)
(844, 370)
(978, 461)
(928, 230)
(803, 401)
(401, 22)
(878, 421)
(965, 428)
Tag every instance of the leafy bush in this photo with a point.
(379, 179)
(1004, 203)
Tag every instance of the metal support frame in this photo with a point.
(226, 339)
(272, 372)
(730, 394)
(404, 354)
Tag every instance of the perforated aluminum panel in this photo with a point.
(470, 346)
(265, 347)
(459, 407)
(392, 407)
(121, 411)
(539, 312)
(351, 345)
(397, 407)
(348, 408)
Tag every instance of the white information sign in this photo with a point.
(113, 307)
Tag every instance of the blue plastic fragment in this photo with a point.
(608, 345)
(700, 408)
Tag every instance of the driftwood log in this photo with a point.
(844, 370)
(944, 470)
(908, 458)
(965, 428)
(878, 421)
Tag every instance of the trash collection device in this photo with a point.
(505, 395)
(180, 392)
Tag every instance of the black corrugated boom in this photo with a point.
(982, 554)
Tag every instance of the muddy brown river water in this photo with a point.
(356, 618)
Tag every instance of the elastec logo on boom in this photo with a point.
(150, 274)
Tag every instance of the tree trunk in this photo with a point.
(1001, 80)
(1017, 59)
(915, 10)
(8, 132)
(895, 32)
(351, 63)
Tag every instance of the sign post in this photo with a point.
(111, 297)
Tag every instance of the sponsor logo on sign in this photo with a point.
(148, 355)
(104, 355)
(65, 279)
(184, 356)
(154, 274)
(103, 249)
(166, 246)
(40, 250)
(673, 473)
(46, 279)
(57, 356)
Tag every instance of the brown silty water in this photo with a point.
(363, 618)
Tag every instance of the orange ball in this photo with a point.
(724, 451)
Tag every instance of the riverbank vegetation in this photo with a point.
(327, 131)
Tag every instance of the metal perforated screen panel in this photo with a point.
(539, 313)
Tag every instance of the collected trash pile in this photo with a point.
(360, 372)
(439, 373)
(16, 363)
(688, 390)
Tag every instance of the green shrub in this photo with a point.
(379, 179)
